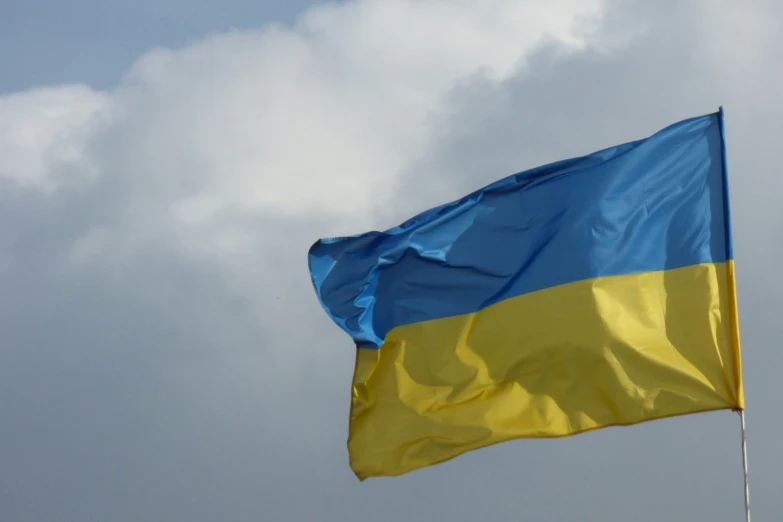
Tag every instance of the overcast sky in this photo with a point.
(164, 167)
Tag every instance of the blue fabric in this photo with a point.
(648, 205)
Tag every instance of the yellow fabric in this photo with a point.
(585, 355)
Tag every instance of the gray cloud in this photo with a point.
(156, 373)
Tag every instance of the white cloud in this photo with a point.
(319, 118)
(46, 131)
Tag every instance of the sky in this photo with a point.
(164, 167)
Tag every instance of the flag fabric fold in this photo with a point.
(591, 292)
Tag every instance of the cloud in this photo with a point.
(166, 358)
(293, 120)
(44, 131)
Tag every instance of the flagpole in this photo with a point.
(745, 465)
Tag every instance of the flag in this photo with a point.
(592, 292)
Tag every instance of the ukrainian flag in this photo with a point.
(592, 292)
